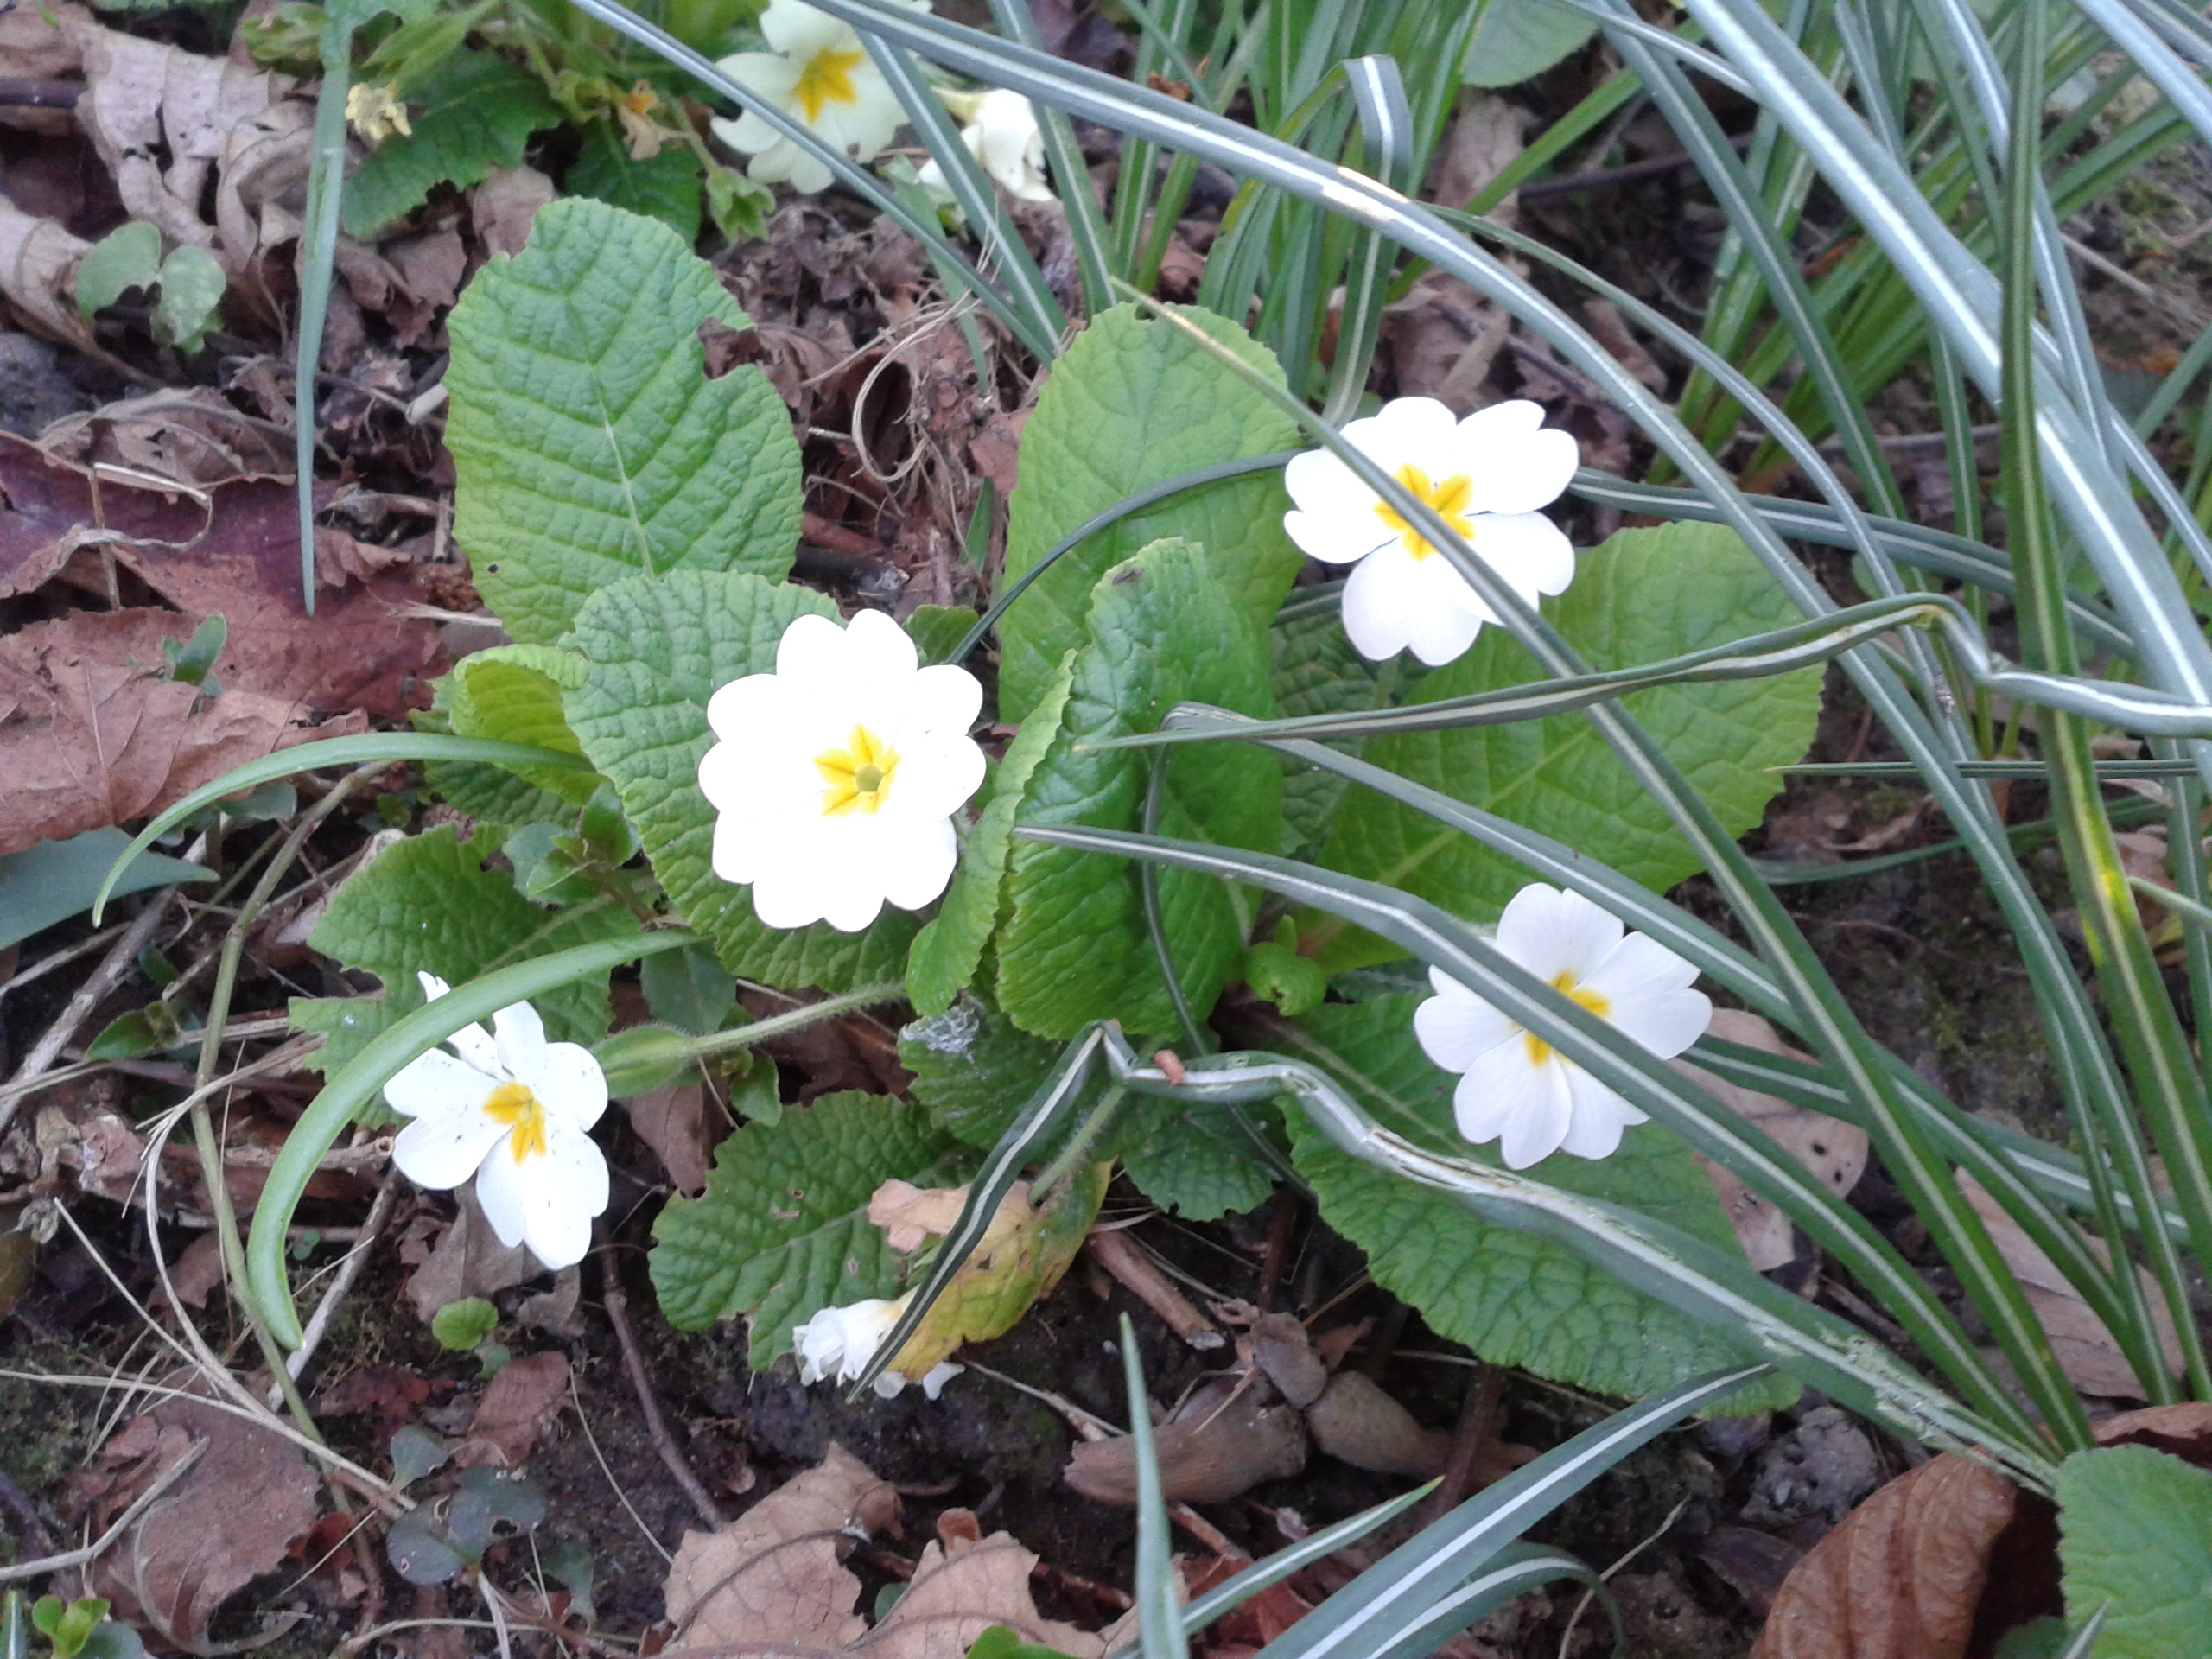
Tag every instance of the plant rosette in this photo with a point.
(1485, 476)
(838, 1342)
(1001, 133)
(1515, 1088)
(835, 778)
(819, 74)
(514, 1111)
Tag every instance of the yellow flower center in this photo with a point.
(1447, 496)
(512, 1104)
(1538, 1049)
(857, 778)
(827, 79)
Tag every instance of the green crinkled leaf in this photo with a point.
(2135, 1531)
(949, 948)
(1514, 1298)
(937, 630)
(513, 693)
(1073, 946)
(1316, 671)
(1518, 39)
(589, 442)
(975, 1069)
(477, 112)
(428, 905)
(666, 189)
(1133, 401)
(497, 799)
(1193, 1161)
(658, 648)
(1644, 595)
(782, 1229)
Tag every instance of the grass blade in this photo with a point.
(1159, 1611)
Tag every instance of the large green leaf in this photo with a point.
(49, 882)
(1514, 1298)
(2135, 1532)
(1317, 671)
(588, 441)
(1073, 946)
(975, 1069)
(1518, 39)
(428, 905)
(1645, 595)
(478, 113)
(782, 1229)
(1194, 1160)
(665, 187)
(512, 693)
(658, 648)
(1133, 401)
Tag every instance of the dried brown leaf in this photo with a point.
(467, 1260)
(38, 273)
(502, 209)
(231, 1519)
(773, 1577)
(962, 1587)
(1829, 1148)
(93, 732)
(1902, 1576)
(682, 1128)
(1484, 139)
(519, 1406)
(36, 43)
(910, 1214)
(2083, 1344)
(1224, 1441)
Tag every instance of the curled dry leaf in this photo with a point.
(1902, 1576)
(682, 1128)
(38, 273)
(519, 1406)
(231, 1519)
(2083, 1344)
(40, 43)
(1228, 1436)
(1828, 1148)
(961, 1586)
(93, 733)
(466, 1259)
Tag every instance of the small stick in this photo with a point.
(634, 1361)
(139, 1505)
(1477, 1427)
(122, 956)
(1120, 1256)
(380, 1211)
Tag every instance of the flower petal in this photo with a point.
(1379, 600)
(1599, 1115)
(917, 864)
(568, 1083)
(1523, 1104)
(942, 699)
(521, 1037)
(1528, 549)
(1666, 1025)
(1549, 931)
(476, 1045)
(433, 987)
(771, 75)
(442, 1150)
(799, 31)
(1640, 966)
(1455, 1027)
(434, 1082)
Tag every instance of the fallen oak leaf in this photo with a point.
(1902, 1576)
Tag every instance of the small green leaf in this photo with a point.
(512, 693)
(1194, 1161)
(1514, 1298)
(689, 989)
(1073, 947)
(659, 650)
(571, 1566)
(415, 1453)
(1275, 971)
(478, 113)
(191, 662)
(139, 1031)
(782, 1230)
(1644, 595)
(128, 257)
(1517, 40)
(588, 441)
(461, 1326)
(937, 629)
(1132, 402)
(948, 951)
(737, 204)
(2135, 1531)
(49, 882)
(666, 188)
(193, 282)
(419, 1552)
(427, 903)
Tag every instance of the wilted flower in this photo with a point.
(1002, 135)
(1516, 1089)
(1485, 476)
(837, 776)
(375, 111)
(840, 1341)
(512, 1110)
(819, 74)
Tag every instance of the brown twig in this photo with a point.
(380, 1211)
(122, 956)
(634, 1361)
(1477, 1427)
(1115, 1252)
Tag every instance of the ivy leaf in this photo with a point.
(1133, 401)
(1514, 1298)
(658, 648)
(948, 951)
(1645, 595)
(975, 1069)
(588, 441)
(479, 113)
(513, 693)
(428, 905)
(782, 1229)
(1073, 948)
(2135, 1531)
(666, 188)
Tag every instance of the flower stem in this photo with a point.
(782, 1025)
(1077, 1150)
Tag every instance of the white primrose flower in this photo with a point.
(820, 74)
(838, 1342)
(1001, 133)
(1485, 476)
(512, 1110)
(1516, 1089)
(837, 776)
